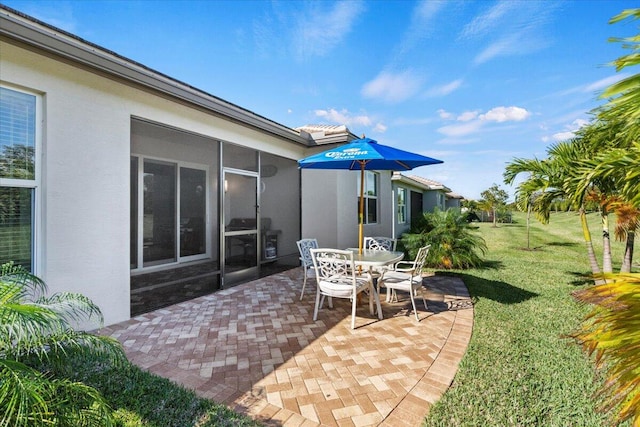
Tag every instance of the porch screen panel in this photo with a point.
(193, 204)
(159, 215)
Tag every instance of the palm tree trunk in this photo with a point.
(593, 262)
(607, 266)
(628, 253)
(528, 226)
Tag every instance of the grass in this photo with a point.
(519, 368)
(141, 399)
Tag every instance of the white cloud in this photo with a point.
(379, 128)
(473, 121)
(344, 117)
(302, 30)
(445, 89)
(392, 87)
(485, 22)
(461, 129)
(506, 114)
(319, 31)
(505, 46)
(467, 116)
(511, 28)
(445, 115)
(570, 130)
(421, 24)
(563, 136)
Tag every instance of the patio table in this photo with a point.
(371, 259)
(375, 259)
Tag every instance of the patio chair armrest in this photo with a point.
(404, 266)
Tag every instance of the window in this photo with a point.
(370, 197)
(402, 205)
(169, 225)
(18, 175)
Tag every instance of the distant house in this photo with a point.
(453, 200)
(415, 195)
(435, 194)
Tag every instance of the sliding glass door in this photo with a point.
(169, 217)
(159, 213)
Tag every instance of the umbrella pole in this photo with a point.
(361, 213)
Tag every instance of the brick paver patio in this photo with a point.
(256, 348)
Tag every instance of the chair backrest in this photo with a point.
(333, 264)
(421, 258)
(380, 243)
(304, 247)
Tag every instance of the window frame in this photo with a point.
(369, 198)
(401, 203)
(179, 164)
(35, 183)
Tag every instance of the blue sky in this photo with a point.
(473, 83)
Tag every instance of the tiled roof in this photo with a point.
(327, 134)
(325, 129)
(453, 195)
(434, 185)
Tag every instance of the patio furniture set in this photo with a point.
(346, 273)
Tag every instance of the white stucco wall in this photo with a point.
(83, 240)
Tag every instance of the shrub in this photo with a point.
(37, 337)
(454, 242)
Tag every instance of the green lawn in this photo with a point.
(520, 369)
(141, 399)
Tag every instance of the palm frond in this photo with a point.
(611, 332)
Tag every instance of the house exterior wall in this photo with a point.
(433, 199)
(83, 229)
(453, 203)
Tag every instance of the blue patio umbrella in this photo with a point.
(365, 154)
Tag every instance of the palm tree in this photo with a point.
(37, 338)
(626, 226)
(493, 199)
(547, 179)
(612, 328)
